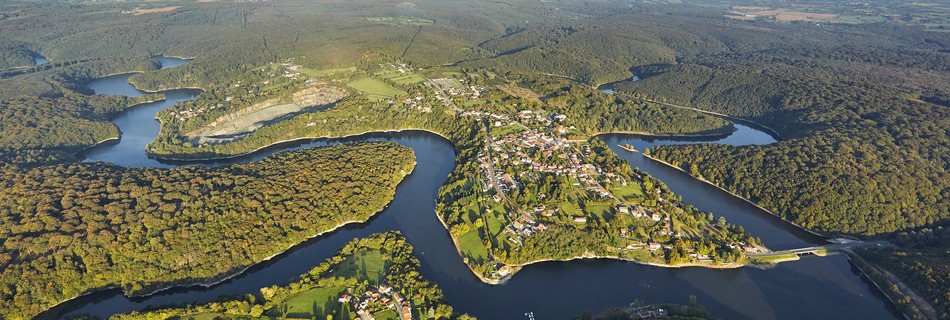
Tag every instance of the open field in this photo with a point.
(375, 88)
(780, 14)
(505, 130)
(401, 21)
(630, 192)
(472, 246)
(140, 11)
(363, 265)
(316, 301)
(324, 72)
(400, 78)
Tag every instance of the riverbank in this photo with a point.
(748, 122)
(588, 256)
(711, 134)
(737, 196)
(288, 141)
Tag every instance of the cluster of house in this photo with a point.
(384, 295)
(417, 103)
(290, 70)
(193, 112)
(649, 313)
(639, 212)
(523, 227)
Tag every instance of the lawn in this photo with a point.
(859, 19)
(472, 247)
(321, 301)
(599, 209)
(375, 87)
(364, 265)
(505, 130)
(400, 78)
(632, 191)
(320, 73)
(495, 223)
(571, 209)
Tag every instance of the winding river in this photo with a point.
(811, 288)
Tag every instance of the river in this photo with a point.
(811, 288)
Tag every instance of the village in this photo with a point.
(535, 142)
(375, 300)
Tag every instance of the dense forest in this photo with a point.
(347, 272)
(74, 228)
(921, 262)
(47, 115)
(863, 157)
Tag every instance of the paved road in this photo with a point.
(846, 246)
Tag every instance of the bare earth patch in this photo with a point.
(783, 15)
(241, 123)
(140, 11)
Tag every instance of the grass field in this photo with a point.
(505, 130)
(401, 78)
(571, 209)
(632, 192)
(364, 265)
(405, 21)
(316, 301)
(472, 247)
(495, 223)
(375, 88)
(601, 210)
(860, 19)
(324, 72)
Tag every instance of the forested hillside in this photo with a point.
(74, 228)
(866, 154)
(47, 115)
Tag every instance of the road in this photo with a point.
(491, 170)
(846, 246)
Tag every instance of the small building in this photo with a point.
(580, 219)
(623, 210)
(504, 270)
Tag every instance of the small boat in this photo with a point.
(628, 147)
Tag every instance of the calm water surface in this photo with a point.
(40, 60)
(812, 288)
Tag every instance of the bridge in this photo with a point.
(838, 245)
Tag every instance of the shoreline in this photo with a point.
(748, 122)
(107, 140)
(285, 141)
(518, 267)
(211, 283)
(732, 129)
(826, 237)
(867, 275)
